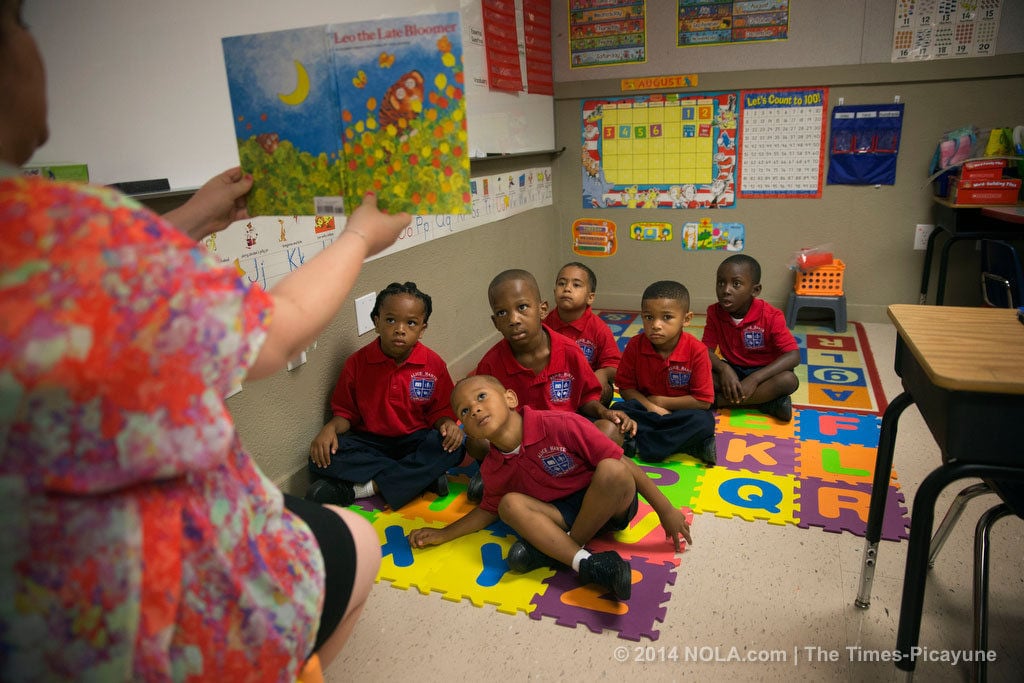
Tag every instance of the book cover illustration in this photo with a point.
(326, 113)
(403, 112)
(287, 125)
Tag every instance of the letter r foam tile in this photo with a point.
(839, 507)
(749, 495)
(571, 603)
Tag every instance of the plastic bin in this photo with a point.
(821, 281)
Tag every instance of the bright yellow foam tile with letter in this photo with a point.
(749, 495)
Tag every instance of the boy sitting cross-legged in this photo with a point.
(556, 481)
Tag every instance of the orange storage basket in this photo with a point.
(821, 281)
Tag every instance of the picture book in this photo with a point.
(325, 114)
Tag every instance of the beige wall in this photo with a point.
(870, 228)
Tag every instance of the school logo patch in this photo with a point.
(678, 376)
(560, 387)
(421, 386)
(556, 461)
(753, 337)
(587, 347)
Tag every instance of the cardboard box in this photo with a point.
(75, 172)
(983, 169)
(1003, 191)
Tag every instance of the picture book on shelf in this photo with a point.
(327, 113)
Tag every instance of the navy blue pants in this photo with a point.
(402, 466)
(659, 436)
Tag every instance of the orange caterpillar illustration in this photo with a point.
(400, 100)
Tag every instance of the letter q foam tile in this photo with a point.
(748, 495)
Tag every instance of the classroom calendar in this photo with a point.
(941, 29)
(782, 142)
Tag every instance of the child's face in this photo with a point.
(664, 320)
(400, 324)
(735, 289)
(572, 289)
(517, 312)
(483, 406)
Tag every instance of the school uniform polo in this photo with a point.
(557, 458)
(379, 396)
(565, 384)
(686, 372)
(592, 335)
(759, 339)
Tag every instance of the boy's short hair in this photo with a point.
(748, 262)
(668, 289)
(510, 275)
(591, 277)
(490, 379)
(409, 288)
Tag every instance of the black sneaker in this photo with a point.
(706, 452)
(327, 492)
(440, 487)
(609, 570)
(475, 490)
(780, 408)
(629, 447)
(523, 557)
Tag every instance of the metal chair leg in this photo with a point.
(956, 509)
(981, 566)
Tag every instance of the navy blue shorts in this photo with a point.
(570, 506)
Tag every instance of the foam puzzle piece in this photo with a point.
(643, 539)
(749, 495)
(571, 604)
(838, 507)
(843, 428)
(833, 462)
(678, 480)
(757, 453)
(400, 565)
(752, 421)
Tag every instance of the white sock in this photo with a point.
(580, 555)
(363, 490)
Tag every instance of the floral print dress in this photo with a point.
(138, 540)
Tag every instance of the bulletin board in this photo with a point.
(137, 89)
(664, 151)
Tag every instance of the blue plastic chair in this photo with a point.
(1001, 275)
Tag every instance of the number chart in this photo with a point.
(943, 29)
(660, 151)
(783, 142)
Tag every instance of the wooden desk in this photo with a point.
(965, 222)
(962, 367)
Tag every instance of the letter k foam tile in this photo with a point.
(571, 603)
(749, 495)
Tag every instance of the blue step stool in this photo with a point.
(837, 304)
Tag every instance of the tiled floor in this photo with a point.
(743, 589)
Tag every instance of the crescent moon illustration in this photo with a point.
(297, 96)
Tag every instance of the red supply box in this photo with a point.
(1003, 191)
(983, 169)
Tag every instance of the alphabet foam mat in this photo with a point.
(815, 472)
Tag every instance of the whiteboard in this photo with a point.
(137, 88)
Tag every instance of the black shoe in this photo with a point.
(475, 490)
(440, 487)
(706, 452)
(523, 557)
(327, 492)
(609, 570)
(780, 408)
(629, 447)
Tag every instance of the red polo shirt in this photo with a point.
(565, 384)
(592, 335)
(687, 372)
(758, 340)
(379, 396)
(556, 458)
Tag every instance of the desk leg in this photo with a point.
(879, 491)
(940, 288)
(926, 271)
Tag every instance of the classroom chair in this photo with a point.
(1001, 276)
(1012, 497)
